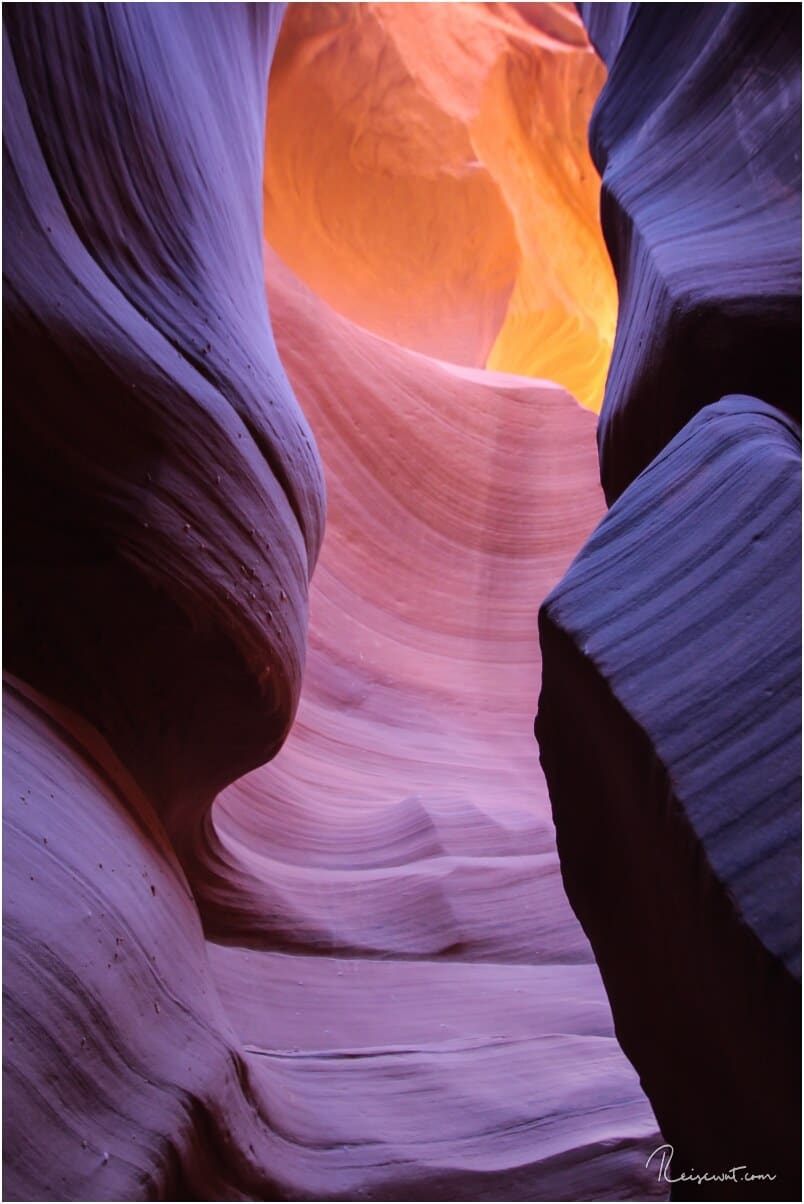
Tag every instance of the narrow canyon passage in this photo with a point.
(321, 504)
(393, 943)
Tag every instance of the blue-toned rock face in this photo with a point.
(669, 717)
(165, 508)
(669, 728)
(697, 134)
(167, 493)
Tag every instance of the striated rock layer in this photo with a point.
(356, 973)
(427, 173)
(387, 913)
(697, 135)
(164, 495)
(122, 1077)
(674, 645)
(423, 649)
(167, 495)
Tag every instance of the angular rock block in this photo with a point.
(697, 135)
(669, 729)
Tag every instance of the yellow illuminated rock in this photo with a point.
(427, 174)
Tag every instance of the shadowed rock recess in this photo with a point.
(669, 717)
(284, 915)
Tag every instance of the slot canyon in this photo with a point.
(387, 385)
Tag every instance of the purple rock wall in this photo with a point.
(697, 135)
(669, 717)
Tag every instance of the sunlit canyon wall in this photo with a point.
(427, 174)
(352, 972)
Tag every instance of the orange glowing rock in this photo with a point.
(427, 174)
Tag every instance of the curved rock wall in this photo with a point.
(123, 1079)
(164, 495)
(427, 173)
(672, 646)
(167, 492)
(390, 938)
(423, 649)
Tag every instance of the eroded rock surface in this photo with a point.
(123, 1078)
(167, 493)
(163, 493)
(388, 920)
(697, 135)
(669, 717)
(673, 644)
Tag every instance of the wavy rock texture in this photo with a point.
(401, 835)
(398, 1001)
(697, 135)
(427, 173)
(674, 644)
(167, 492)
(672, 647)
(123, 1079)
(164, 494)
